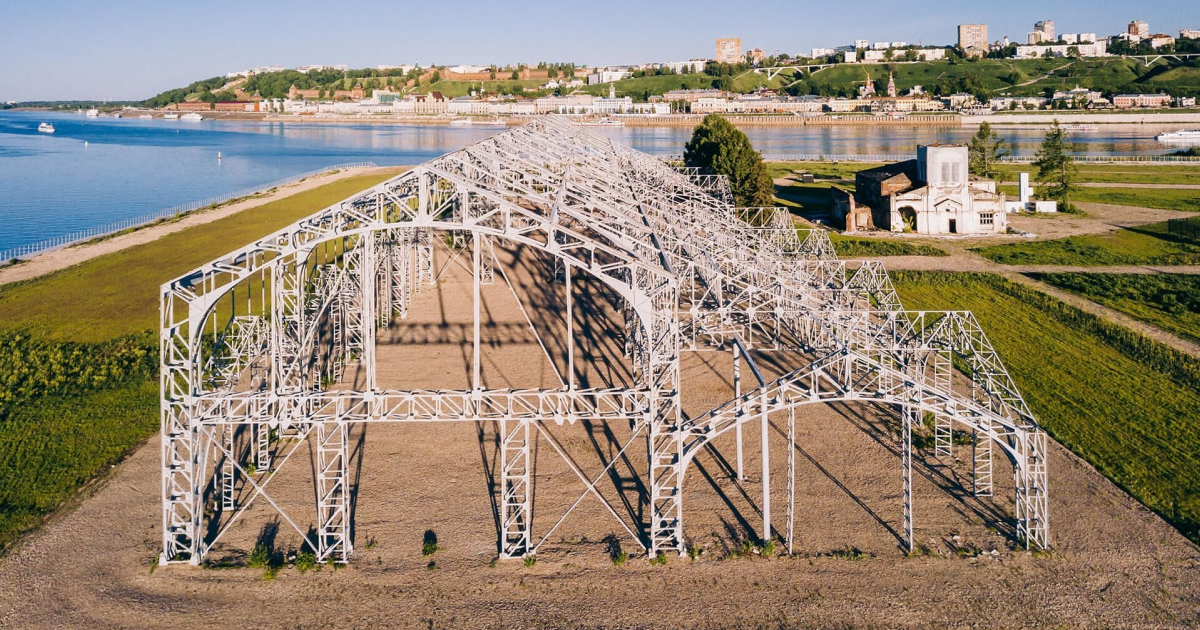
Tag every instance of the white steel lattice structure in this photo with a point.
(251, 342)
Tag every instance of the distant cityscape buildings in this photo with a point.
(729, 50)
(566, 91)
(1043, 31)
(973, 39)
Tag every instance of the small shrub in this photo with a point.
(305, 561)
(259, 557)
(693, 552)
(854, 554)
(620, 558)
(430, 544)
(660, 559)
(530, 561)
(768, 549)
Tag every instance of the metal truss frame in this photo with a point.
(252, 342)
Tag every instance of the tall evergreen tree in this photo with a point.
(1056, 168)
(719, 148)
(986, 149)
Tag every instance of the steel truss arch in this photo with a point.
(692, 273)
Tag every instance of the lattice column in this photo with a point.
(333, 494)
(487, 273)
(909, 416)
(943, 430)
(262, 447)
(181, 490)
(516, 491)
(181, 446)
(665, 435)
(424, 247)
(1032, 505)
(981, 457)
(228, 472)
(791, 480)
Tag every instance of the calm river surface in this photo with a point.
(56, 184)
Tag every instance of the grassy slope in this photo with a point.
(1119, 174)
(1171, 302)
(1133, 422)
(1146, 245)
(117, 293)
(852, 247)
(51, 445)
(1165, 198)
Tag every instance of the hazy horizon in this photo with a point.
(70, 50)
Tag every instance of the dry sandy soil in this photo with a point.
(1114, 565)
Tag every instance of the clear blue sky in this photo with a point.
(133, 49)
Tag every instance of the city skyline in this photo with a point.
(89, 51)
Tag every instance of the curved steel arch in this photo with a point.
(693, 271)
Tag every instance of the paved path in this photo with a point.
(68, 256)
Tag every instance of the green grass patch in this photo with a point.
(1121, 401)
(1145, 245)
(1118, 173)
(1171, 302)
(55, 444)
(819, 170)
(118, 293)
(1164, 198)
(805, 197)
(855, 247)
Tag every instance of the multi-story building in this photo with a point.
(859, 44)
(1141, 101)
(921, 54)
(1188, 33)
(729, 50)
(973, 39)
(1139, 29)
(1096, 49)
(820, 53)
(691, 96)
(1043, 31)
(1158, 40)
(755, 55)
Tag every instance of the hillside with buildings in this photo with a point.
(1047, 69)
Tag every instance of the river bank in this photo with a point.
(55, 260)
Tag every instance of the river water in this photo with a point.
(94, 171)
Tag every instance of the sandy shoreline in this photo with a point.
(55, 260)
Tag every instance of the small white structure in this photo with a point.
(1025, 202)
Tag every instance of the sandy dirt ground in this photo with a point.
(68, 256)
(1114, 564)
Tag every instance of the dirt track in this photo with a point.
(1114, 563)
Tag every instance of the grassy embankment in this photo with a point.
(1116, 173)
(1145, 245)
(1171, 302)
(78, 360)
(1124, 403)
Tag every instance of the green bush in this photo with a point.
(305, 561)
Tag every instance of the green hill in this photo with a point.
(982, 77)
